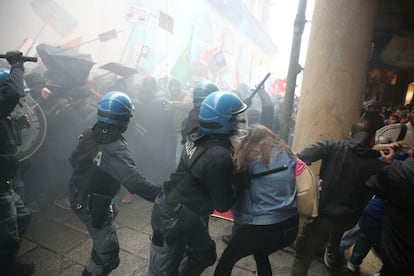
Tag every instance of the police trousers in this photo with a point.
(14, 221)
(105, 251)
(189, 253)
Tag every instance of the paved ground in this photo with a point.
(59, 245)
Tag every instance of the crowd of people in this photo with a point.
(194, 150)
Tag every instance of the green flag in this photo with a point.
(182, 66)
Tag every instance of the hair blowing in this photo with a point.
(259, 142)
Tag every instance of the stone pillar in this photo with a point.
(335, 69)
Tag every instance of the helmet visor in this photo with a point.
(240, 129)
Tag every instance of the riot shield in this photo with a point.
(33, 136)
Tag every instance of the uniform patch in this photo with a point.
(97, 159)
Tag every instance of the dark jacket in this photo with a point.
(209, 186)
(190, 123)
(395, 183)
(102, 168)
(346, 166)
(10, 93)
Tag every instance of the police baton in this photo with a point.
(259, 86)
(24, 58)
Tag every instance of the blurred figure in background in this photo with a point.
(154, 126)
(372, 114)
(201, 91)
(177, 105)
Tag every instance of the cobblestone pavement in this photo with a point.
(58, 243)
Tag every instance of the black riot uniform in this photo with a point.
(14, 216)
(180, 213)
(102, 163)
(181, 243)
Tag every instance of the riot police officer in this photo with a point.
(102, 163)
(14, 216)
(181, 243)
(200, 92)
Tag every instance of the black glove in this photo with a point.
(14, 57)
(99, 206)
(23, 122)
(8, 166)
(184, 223)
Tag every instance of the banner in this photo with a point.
(55, 16)
(137, 15)
(166, 22)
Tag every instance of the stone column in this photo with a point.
(335, 69)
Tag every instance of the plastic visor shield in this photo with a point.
(240, 126)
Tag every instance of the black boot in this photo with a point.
(85, 272)
(21, 270)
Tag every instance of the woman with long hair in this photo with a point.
(265, 207)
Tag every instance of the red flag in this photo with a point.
(279, 86)
(210, 52)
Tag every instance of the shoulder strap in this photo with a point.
(275, 170)
(403, 132)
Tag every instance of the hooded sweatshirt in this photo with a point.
(346, 166)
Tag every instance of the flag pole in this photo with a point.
(126, 44)
(38, 33)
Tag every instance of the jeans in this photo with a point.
(371, 232)
(349, 238)
(259, 240)
(312, 235)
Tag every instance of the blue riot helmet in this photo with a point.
(115, 108)
(202, 90)
(4, 74)
(219, 112)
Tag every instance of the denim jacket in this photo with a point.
(267, 199)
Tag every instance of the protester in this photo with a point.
(395, 184)
(263, 114)
(398, 132)
(346, 165)
(372, 114)
(102, 163)
(265, 206)
(370, 226)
